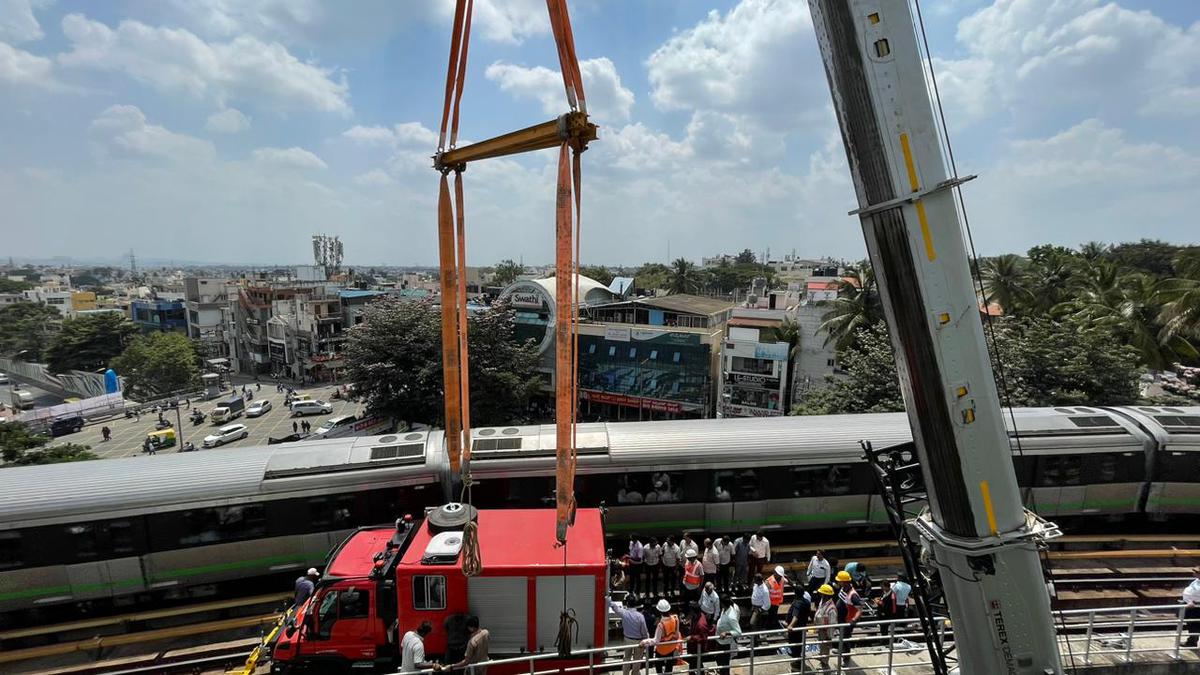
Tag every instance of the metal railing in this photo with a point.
(1083, 635)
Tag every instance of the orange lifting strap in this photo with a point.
(571, 133)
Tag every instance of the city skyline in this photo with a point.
(231, 131)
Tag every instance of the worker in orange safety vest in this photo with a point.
(693, 576)
(775, 584)
(666, 640)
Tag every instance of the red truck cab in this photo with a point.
(382, 582)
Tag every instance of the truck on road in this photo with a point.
(382, 582)
(21, 399)
(228, 410)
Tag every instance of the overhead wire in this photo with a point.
(977, 278)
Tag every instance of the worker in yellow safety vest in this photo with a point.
(693, 576)
(775, 584)
(666, 640)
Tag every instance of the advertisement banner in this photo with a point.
(654, 404)
(755, 381)
(777, 351)
(617, 334)
(731, 410)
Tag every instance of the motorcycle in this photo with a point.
(198, 418)
(162, 424)
(188, 447)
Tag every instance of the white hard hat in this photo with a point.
(663, 606)
(691, 553)
(779, 570)
(312, 572)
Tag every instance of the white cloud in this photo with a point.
(1089, 181)
(506, 21)
(18, 66)
(1078, 57)
(608, 100)
(177, 60)
(407, 134)
(291, 158)
(374, 178)
(227, 121)
(122, 132)
(759, 59)
(315, 23)
(17, 22)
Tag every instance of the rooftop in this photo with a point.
(361, 294)
(690, 304)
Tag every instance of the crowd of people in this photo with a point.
(705, 580)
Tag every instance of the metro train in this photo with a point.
(122, 531)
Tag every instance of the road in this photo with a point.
(128, 434)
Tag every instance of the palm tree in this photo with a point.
(1005, 282)
(1094, 250)
(1180, 296)
(857, 306)
(1131, 306)
(789, 332)
(684, 277)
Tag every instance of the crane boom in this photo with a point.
(981, 538)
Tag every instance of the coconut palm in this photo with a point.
(1005, 282)
(857, 306)
(1180, 296)
(1131, 307)
(1094, 250)
(684, 276)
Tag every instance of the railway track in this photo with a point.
(1083, 579)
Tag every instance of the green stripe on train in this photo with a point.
(47, 591)
(737, 523)
(1173, 501)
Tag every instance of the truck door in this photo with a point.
(345, 621)
(432, 598)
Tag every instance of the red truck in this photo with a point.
(382, 582)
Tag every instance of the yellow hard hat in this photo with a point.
(825, 589)
(843, 576)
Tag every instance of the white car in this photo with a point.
(258, 408)
(300, 408)
(3, 378)
(226, 434)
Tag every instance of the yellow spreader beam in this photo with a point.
(573, 126)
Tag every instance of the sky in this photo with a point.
(232, 130)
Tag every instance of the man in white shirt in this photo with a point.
(818, 572)
(760, 552)
(412, 650)
(725, 573)
(1191, 613)
(670, 567)
(711, 560)
(760, 602)
(652, 554)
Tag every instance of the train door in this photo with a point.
(1114, 482)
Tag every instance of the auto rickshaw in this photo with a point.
(161, 439)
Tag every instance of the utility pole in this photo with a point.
(982, 541)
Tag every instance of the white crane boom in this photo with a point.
(980, 536)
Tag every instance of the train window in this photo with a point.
(1102, 469)
(1174, 466)
(83, 540)
(821, 481)
(331, 512)
(1062, 470)
(120, 536)
(354, 604)
(10, 550)
(223, 523)
(657, 487)
(739, 485)
(429, 592)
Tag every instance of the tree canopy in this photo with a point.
(27, 327)
(159, 364)
(89, 342)
(10, 286)
(507, 272)
(20, 447)
(598, 272)
(394, 358)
